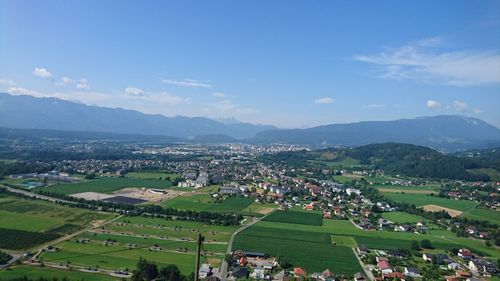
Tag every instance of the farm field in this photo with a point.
(106, 185)
(109, 247)
(35, 272)
(153, 175)
(312, 251)
(32, 222)
(441, 239)
(427, 189)
(204, 202)
(423, 199)
(258, 209)
(483, 214)
(402, 217)
(296, 217)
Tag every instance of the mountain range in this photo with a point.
(444, 132)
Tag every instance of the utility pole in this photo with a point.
(198, 253)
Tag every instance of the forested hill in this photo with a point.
(397, 158)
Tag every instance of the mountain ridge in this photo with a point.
(449, 133)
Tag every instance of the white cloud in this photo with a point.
(459, 106)
(7, 82)
(425, 62)
(324, 100)
(42, 72)
(191, 83)
(20, 91)
(374, 105)
(219, 95)
(83, 84)
(432, 104)
(134, 91)
(65, 81)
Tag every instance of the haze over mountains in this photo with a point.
(445, 132)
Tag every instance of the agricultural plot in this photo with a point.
(204, 202)
(427, 189)
(422, 199)
(312, 251)
(402, 217)
(441, 239)
(119, 245)
(35, 272)
(258, 209)
(106, 185)
(153, 175)
(296, 217)
(483, 214)
(28, 223)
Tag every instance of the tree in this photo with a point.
(145, 271)
(426, 244)
(170, 273)
(415, 246)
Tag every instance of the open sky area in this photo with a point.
(292, 64)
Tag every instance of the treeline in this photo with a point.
(395, 158)
(146, 271)
(417, 161)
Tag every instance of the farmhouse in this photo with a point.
(384, 267)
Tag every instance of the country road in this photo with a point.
(37, 196)
(224, 265)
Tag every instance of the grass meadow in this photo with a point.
(106, 185)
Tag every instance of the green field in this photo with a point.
(309, 218)
(204, 202)
(35, 272)
(106, 185)
(423, 199)
(441, 239)
(483, 214)
(153, 175)
(176, 239)
(28, 223)
(312, 251)
(402, 217)
(408, 189)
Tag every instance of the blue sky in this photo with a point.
(286, 63)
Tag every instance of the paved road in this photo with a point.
(224, 265)
(368, 273)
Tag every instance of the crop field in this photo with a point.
(153, 175)
(312, 251)
(422, 199)
(483, 214)
(106, 185)
(402, 217)
(28, 223)
(296, 217)
(204, 202)
(441, 239)
(259, 209)
(386, 188)
(35, 272)
(120, 244)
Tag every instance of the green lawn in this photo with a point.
(312, 251)
(35, 272)
(420, 188)
(204, 202)
(483, 214)
(106, 185)
(309, 218)
(423, 199)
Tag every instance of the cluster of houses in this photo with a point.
(466, 266)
